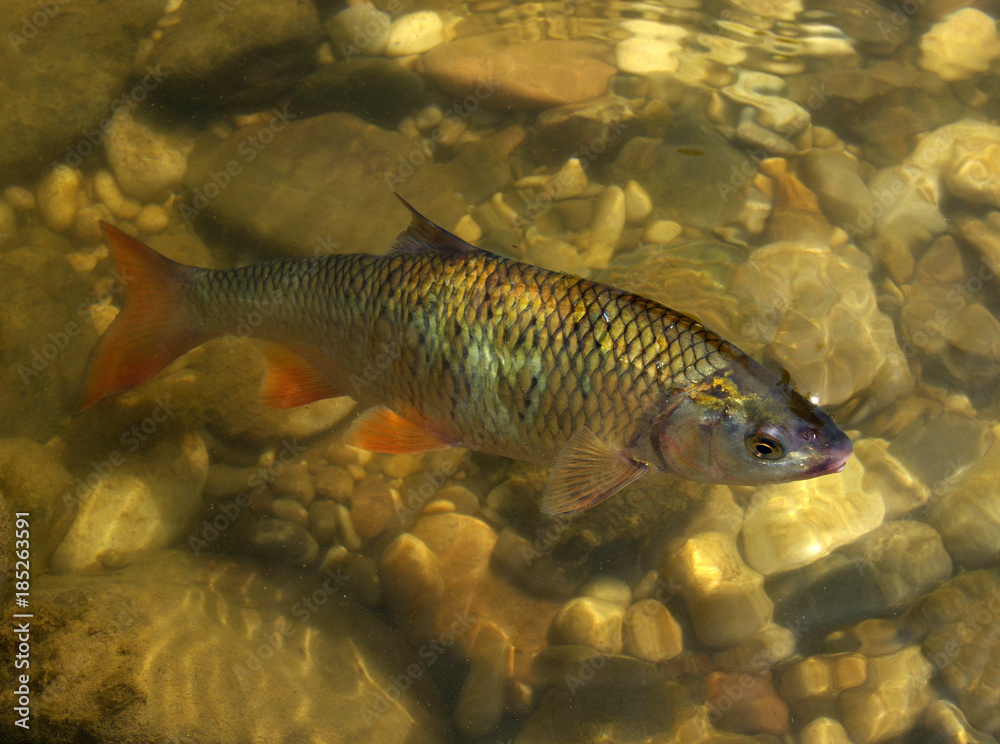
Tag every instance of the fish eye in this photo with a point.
(764, 446)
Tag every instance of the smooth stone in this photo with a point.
(842, 193)
(290, 510)
(816, 681)
(342, 165)
(518, 560)
(246, 58)
(946, 723)
(147, 501)
(642, 55)
(8, 222)
(358, 30)
(294, 482)
(662, 232)
(345, 525)
(892, 698)
(902, 491)
(34, 481)
(329, 675)
(372, 507)
(765, 649)
(590, 622)
(58, 197)
(756, 709)
(148, 162)
(967, 512)
(824, 731)
(726, 597)
(482, 701)
(401, 466)
(414, 34)
(608, 589)
(638, 205)
(962, 44)
(84, 50)
(651, 633)
(531, 75)
(106, 189)
(606, 228)
(284, 542)
(790, 525)
(323, 524)
(561, 132)
(334, 482)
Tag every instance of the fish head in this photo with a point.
(744, 426)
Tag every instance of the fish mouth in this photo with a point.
(830, 465)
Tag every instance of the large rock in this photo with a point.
(533, 75)
(325, 184)
(44, 340)
(241, 53)
(61, 65)
(218, 652)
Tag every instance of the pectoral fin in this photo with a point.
(380, 430)
(586, 472)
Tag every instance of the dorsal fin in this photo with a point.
(422, 234)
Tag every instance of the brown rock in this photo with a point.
(538, 74)
(745, 703)
(372, 507)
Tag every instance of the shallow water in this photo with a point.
(815, 181)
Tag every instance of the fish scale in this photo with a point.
(451, 345)
(596, 348)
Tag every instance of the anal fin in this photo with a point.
(585, 473)
(381, 430)
(290, 380)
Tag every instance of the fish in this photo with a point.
(449, 345)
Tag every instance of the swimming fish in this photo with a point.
(452, 346)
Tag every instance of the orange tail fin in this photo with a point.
(155, 324)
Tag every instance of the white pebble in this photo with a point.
(661, 231)
(152, 219)
(638, 205)
(415, 33)
(111, 196)
(58, 197)
(468, 229)
(20, 198)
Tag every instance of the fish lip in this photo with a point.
(832, 464)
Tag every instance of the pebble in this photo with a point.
(661, 232)
(763, 650)
(334, 483)
(481, 702)
(290, 510)
(891, 700)
(358, 30)
(323, 522)
(967, 514)
(428, 117)
(948, 725)
(58, 197)
(745, 703)
(651, 632)
(725, 596)
(277, 540)
(468, 229)
(106, 189)
(414, 33)
(372, 507)
(87, 227)
(144, 503)
(591, 622)
(824, 730)
(346, 526)
(520, 563)
(152, 220)
(400, 466)
(412, 581)
(638, 205)
(609, 589)
(148, 164)
(20, 198)
(606, 228)
(294, 482)
(789, 525)
(225, 480)
(963, 44)
(820, 679)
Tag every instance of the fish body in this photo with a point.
(453, 346)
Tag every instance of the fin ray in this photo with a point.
(585, 473)
(291, 380)
(380, 429)
(422, 234)
(153, 327)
